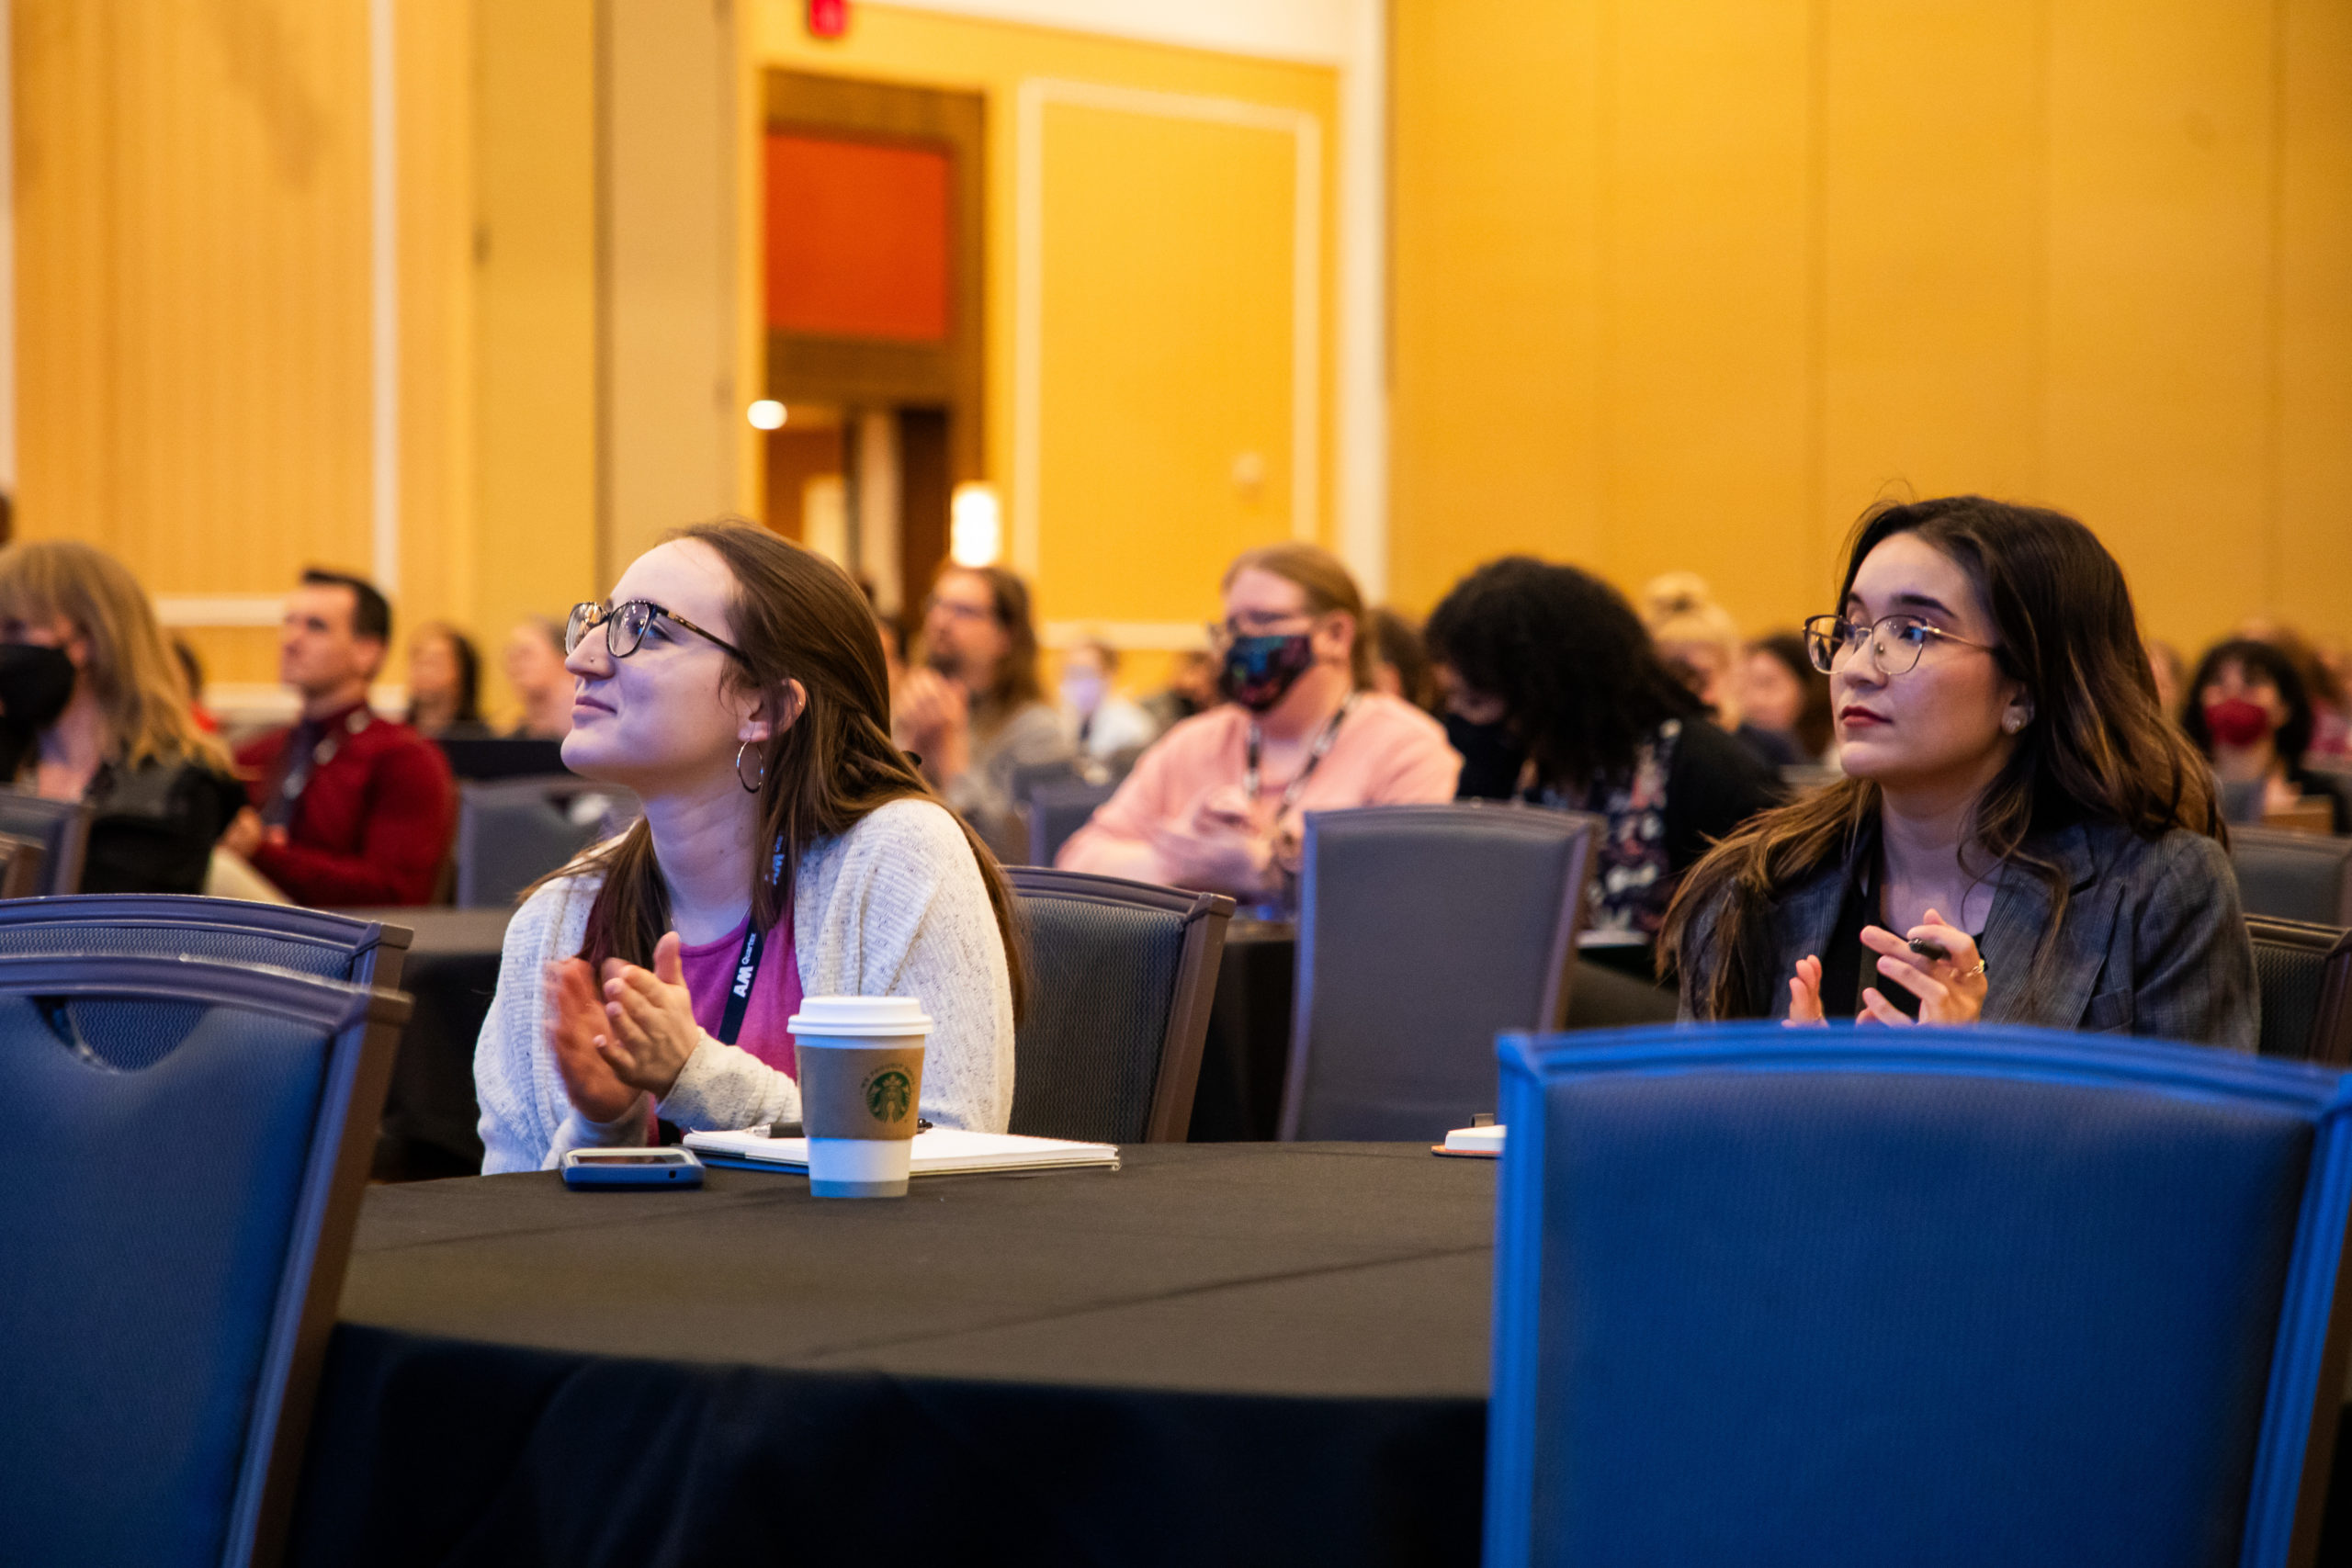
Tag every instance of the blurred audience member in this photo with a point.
(2171, 676)
(1782, 692)
(2331, 722)
(444, 683)
(1192, 690)
(192, 672)
(1215, 804)
(533, 664)
(1550, 665)
(354, 810)
(1400, 660)
(93, 709)
(974, 710)
(1098, 721)
(1701, 643)
(2250, 713)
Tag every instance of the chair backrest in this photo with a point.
(24, 865)
(1423, 931)
(1999, 1295)
(2293, 877)
(62, 827)
(1055, 811)
(512, 833)
(487, 757)
(2306, 974)
(171, 925)
(1121, 975)
(175, 1228)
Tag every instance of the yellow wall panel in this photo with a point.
(1704, 338)
(2093, 253)
(1495, 269)
(1931, 222)
(2314, 323)
(2159, 264)
(1166, 356)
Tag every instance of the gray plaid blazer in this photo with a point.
(2153, 941)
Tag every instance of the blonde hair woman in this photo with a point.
(92, 707)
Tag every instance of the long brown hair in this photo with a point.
(1016, 684)
(796, 617)
(132, 671)
(2098, 747)
(1329, 588)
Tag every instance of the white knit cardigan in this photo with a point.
(893, 908)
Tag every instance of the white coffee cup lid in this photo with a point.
(859, 1016)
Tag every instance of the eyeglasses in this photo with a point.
(626, 624)
(1895, 641)
(1253, 623)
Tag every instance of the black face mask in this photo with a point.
(1491, 756)
(35, 685)
(1261, 670)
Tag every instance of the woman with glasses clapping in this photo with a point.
(735, 682)
(2022, 837)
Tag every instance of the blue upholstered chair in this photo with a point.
(1995, 1296)
(171, 925)
(175, 1227)
(61, 829)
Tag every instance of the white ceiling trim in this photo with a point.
(1316, 31)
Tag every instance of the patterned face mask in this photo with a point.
(1260, 670)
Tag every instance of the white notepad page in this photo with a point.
(937, 1151)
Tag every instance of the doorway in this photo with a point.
(874, 294)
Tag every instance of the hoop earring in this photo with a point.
(750, 786)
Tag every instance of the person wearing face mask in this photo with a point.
(92, 707)
(972, 708)
(1100, 722)
(2021, 837)
(735, 683)
(2250, 713)
(1215, 804)
(1558, 697)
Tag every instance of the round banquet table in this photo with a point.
(1226, 1353)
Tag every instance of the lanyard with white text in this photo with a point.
(1250, 778)
(747, 963)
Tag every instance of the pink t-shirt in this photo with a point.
(1387, 754)
(775, 992)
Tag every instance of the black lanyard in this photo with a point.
(1250, 779)
(747, 963)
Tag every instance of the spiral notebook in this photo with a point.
(938, 1151)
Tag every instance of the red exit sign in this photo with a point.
(828, 18)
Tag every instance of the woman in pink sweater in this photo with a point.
(1215, 804)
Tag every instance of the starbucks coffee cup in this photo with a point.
(861, 1078)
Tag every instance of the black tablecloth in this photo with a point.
(451, 973)
(1229, 1354)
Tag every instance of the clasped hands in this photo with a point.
(1223, 847)
(1950, 990)
(632, 1039)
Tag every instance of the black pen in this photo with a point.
(1926, 949)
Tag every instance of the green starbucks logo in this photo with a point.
(889, 1095)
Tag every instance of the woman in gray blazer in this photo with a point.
(2021, 837)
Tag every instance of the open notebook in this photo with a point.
(938, 1151)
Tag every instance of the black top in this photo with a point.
(1713, 785)
(1847, 966)
(153, 826)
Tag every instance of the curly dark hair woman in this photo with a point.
(1557, 696)
(2248, 709)
(2021, 837)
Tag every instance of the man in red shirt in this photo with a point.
(349, 809)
